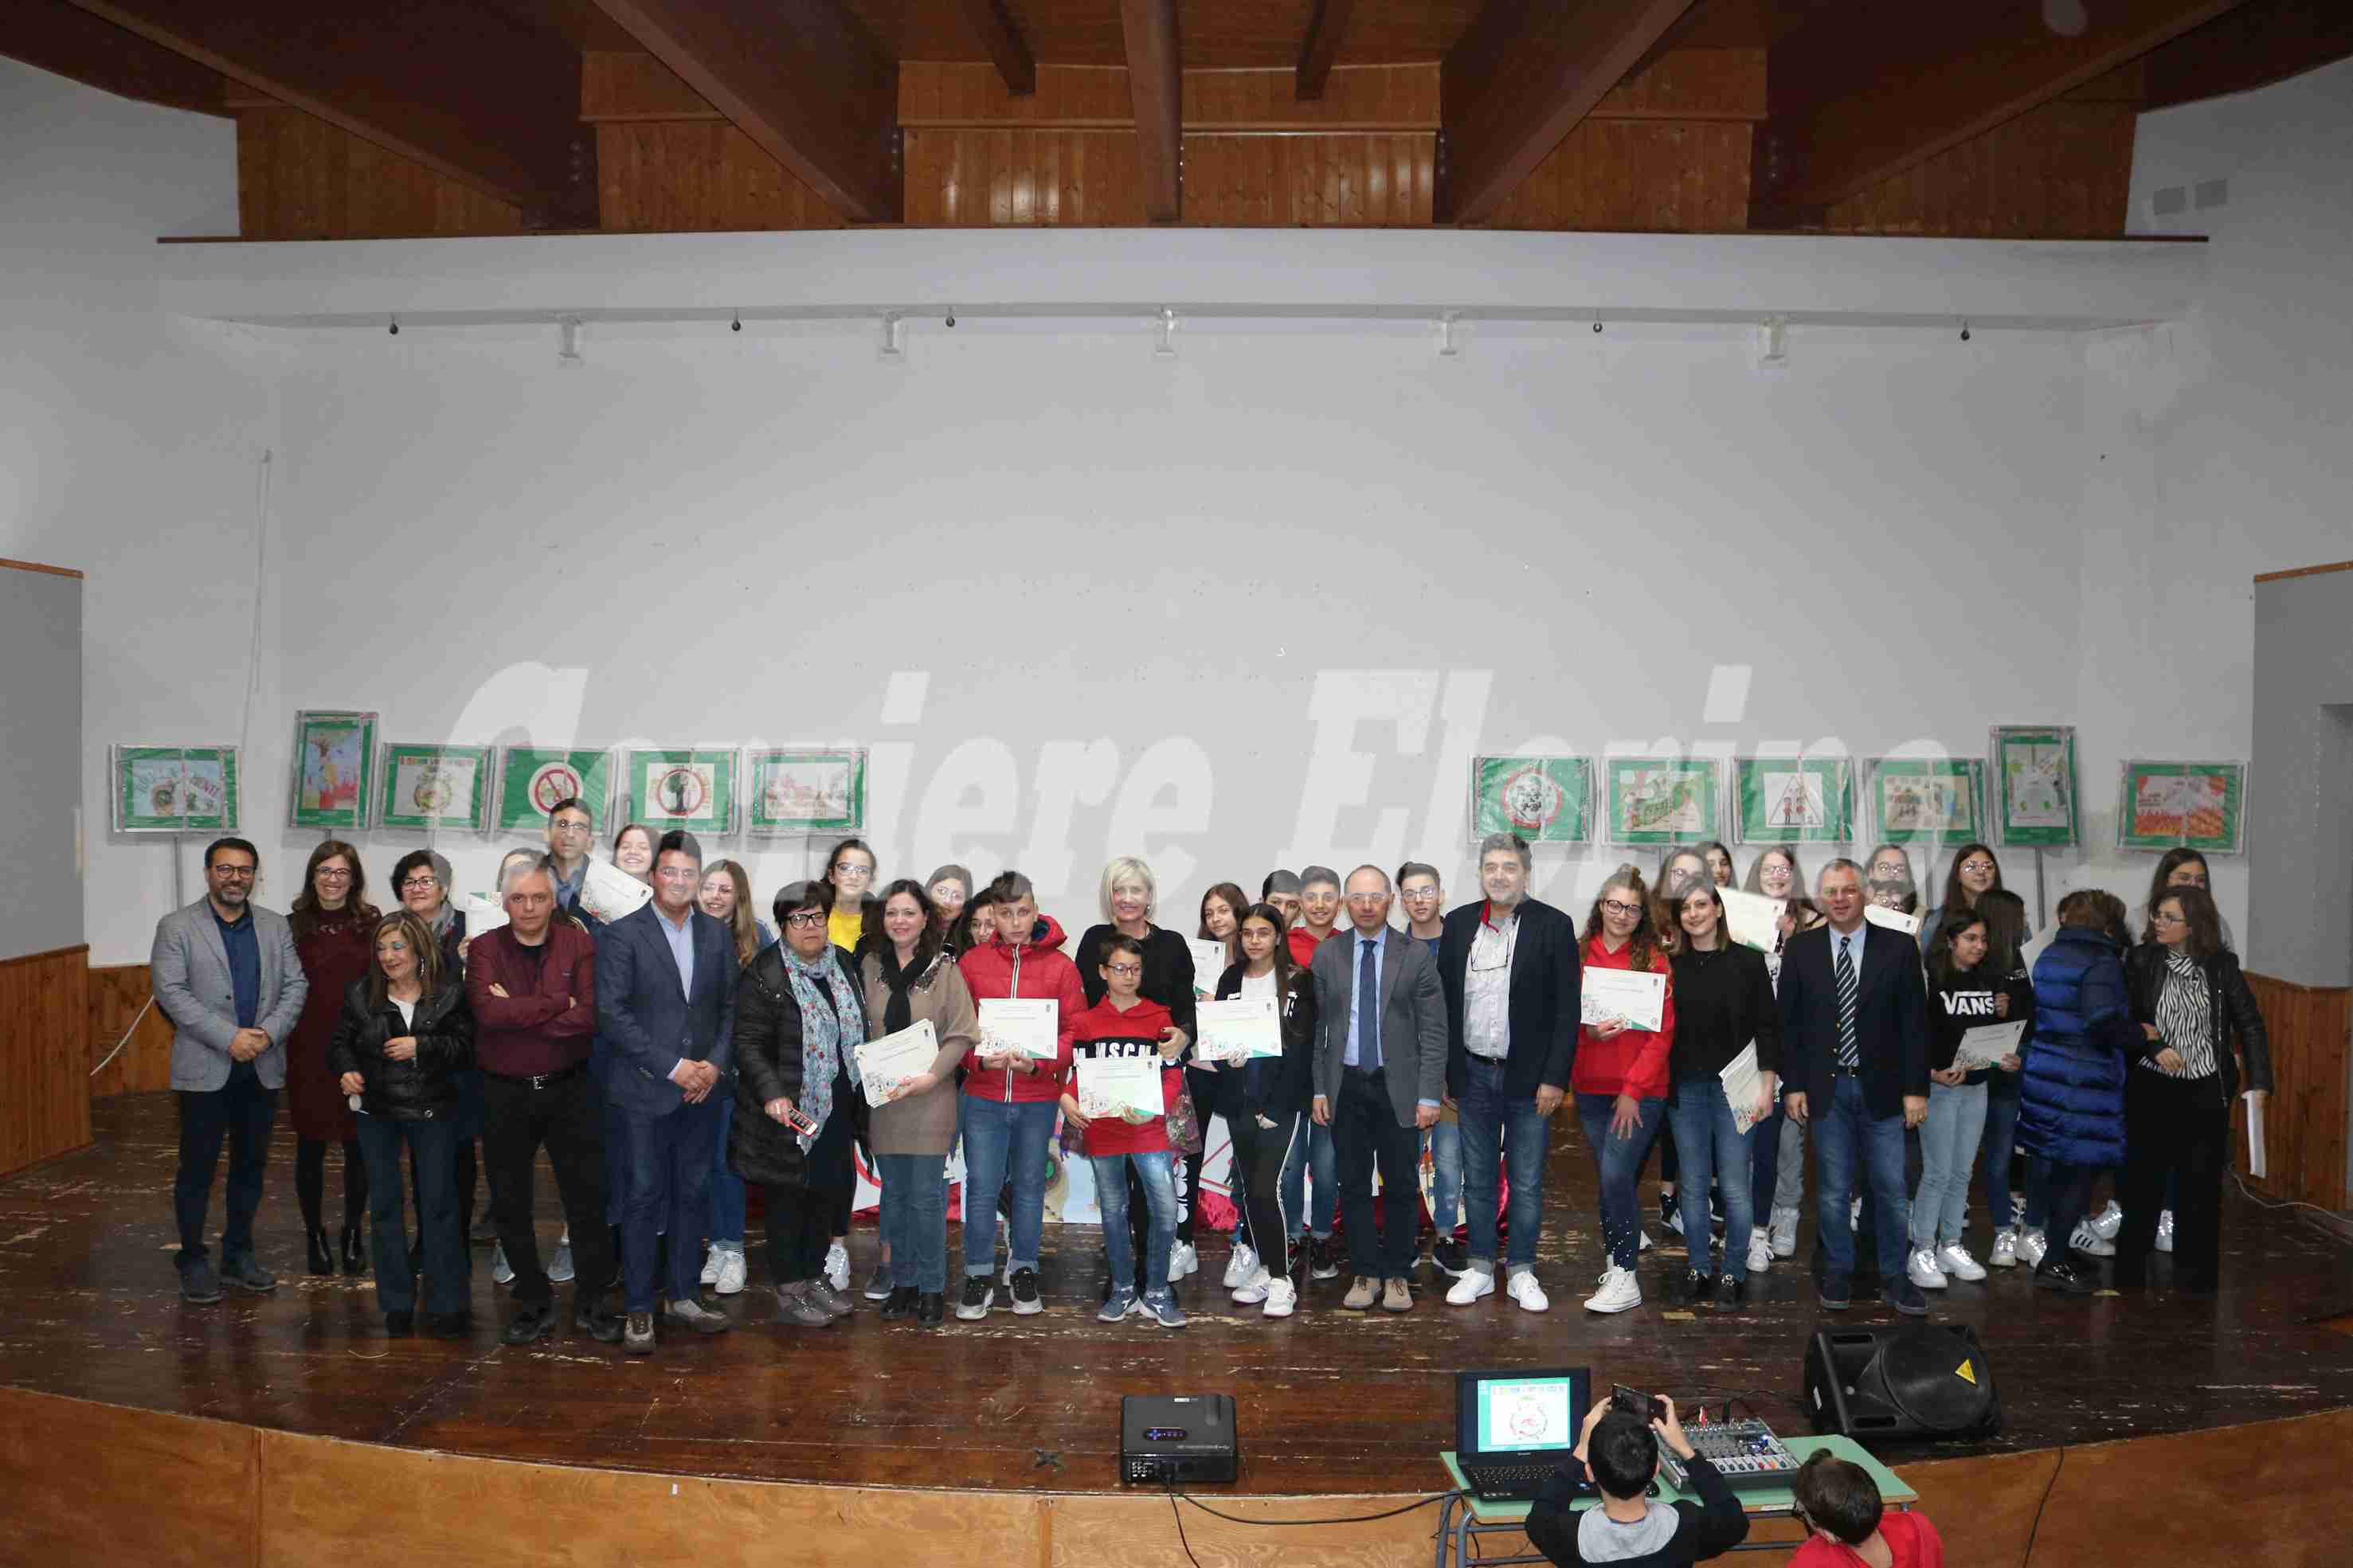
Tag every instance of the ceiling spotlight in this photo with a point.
(1965, 331)
(1164, 330)
(736, 325)
(894, 339)
(568, 340)
(1448, 346)
(393, 331)
(1597, 323)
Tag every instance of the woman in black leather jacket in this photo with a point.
(2191, 1001)
(1266, 1105)
(404, 1035)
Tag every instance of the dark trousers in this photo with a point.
(2067, 1191)
(1366, 1134)
(800, 1230)
(239, 1111)
(432, 1144)
(565, 1116)
(2175, 1131)
(465, 1183)
(310, 1182)
(666, 1165)
(1259, 1154)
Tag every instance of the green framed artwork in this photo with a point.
(532, 779)
(1660, 800)
(1545, 800)
(1926, 800)
(2186, 805)
(334, 768)
(174, 789)
(693, 789)
(791, 791)
(1793, 800)
(2034, 786)
(428, 787)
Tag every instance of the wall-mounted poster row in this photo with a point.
(2034, 801)
(2189, 805)
(173, 789)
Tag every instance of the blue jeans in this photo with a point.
(432, 1145)
(665, 1162)
(1708, 1144)
(1619, 1162)
(1496, 1126)
(1846, 1135)
(1999, 1144)
(1765, 1168)
(1948, 1147)
(1154, 1169)
(1314, 1151)
(916, 1219)
(727, 1226)
(1002, 1136)
(1446, 1179)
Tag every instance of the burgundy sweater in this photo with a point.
(530, 1032)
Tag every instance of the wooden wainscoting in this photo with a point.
(2304, 1127)
(117, 993)
(44, 1057)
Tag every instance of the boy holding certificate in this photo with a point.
(1125, 1028)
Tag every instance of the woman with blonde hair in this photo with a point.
(1621, 1075)
(726, 896)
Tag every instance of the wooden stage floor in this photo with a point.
(1329, 1400)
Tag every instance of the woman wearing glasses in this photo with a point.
(849, 873)
(1620, 1077)
(333, 922)
(1975, 871)
(2178, 869)
(422, 879)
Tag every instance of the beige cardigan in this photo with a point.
(923, 1124)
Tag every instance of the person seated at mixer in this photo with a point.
(1619, 1451)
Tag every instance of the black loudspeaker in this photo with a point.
(1918, 1380)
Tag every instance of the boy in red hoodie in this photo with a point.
(1124, 1025)
(1007, 1111)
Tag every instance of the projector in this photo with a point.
(1166, 1439)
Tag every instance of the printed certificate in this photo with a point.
(1239, 1029)
(884, 1066)
(1020, 1025)
(1124, 1087)
(1638, 998)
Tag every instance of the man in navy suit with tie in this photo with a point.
(1854, 1031)
(665, 1030)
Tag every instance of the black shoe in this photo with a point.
(448, 1325)
(483, 1231)
(977, 1295)
(1730, 1293)
(247, 1274)
(605, 1327)
(529, 1323)
(2054, 1275)
(199, 1286)
(931, 1309)
(1452, 1257)
(1025, 1292)
(1694, 1289)
(314, 1245)
(1837, 1292)
(1320, 1264)
(354, 1261)
(399, 1325)
(899, 1302)
(1906, 1298)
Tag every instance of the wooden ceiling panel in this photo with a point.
(1215, 35)
(67, 40)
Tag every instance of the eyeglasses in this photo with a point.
(686, 874)
(2162, 919)
(232, 873)
(1366, 901)
(420, 884)
(1621, 908)
(1124, 968)
(851, 868)
(571, 827)
(331, 874)
(1978, 866)
(805, 918)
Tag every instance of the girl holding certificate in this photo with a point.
(1620, 1077)
(1967, 989)
(1126, 1027)
(1724, 1011)
(1267, 1101)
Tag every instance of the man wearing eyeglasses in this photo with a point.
(665, 1033)
(570, 831)
(227, 974)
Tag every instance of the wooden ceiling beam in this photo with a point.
(1155, 83)
(1000, 35)
(1522, 77)
(803, 78)
(1857, 99)
(465, 91)
(1326, 31)
(2260, 43)
(59, 37)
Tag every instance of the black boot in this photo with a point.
(900, 1302)
(354, 1260)
(931, 1309)
(314, 1241)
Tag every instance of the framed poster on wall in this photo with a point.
(2189, 805)
(426, 786)
(334, 762)
(690, 789)
(794, 790)
(532, 779)
(174, 789)
(1660, 800)
(1793, 800)
(2034, 786)
(1925, 800)
(1545, 800)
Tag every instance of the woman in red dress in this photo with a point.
(332, 923)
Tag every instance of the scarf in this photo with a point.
(830, 1035)
(899, 1012)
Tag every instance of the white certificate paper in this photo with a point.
(1742, 1083)
(1209, 962)
(1020, 1026)
(2259, 1160)
(1985, 1046)
(1891, 919)
(884, 1066)
(1752, 919)
(1113, 1086)
(1639, 998)
(609, 893)
(484, 912)
(1239, 1029)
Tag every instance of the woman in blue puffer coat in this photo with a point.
(2071, 1108)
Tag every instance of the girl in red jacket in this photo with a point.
(1621, 1078)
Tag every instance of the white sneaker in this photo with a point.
(711, 1267)
(2032, 1244)
(560, 1271)
(501, 1271)
(1922, 1270)
(1645, 1245)
(1954, 1260)
(1474, 1283)
(1760, 1249)
(2165, 1231)
(1784, 1233)
(2108, 1221)
(2018, 1211)
(1620, 1290)
(2005, 1248)
(731, 1274)
(1672, 1219)
(837, 1267)
(1240, 1266)
(1281, 1296)
(1530, 1295)
(1182, 1260)
(2090, 1242)
(1254, 1288)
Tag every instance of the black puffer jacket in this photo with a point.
(412, 1090)
(2229, 1003)
(768, 1066)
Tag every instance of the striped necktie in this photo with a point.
(1848, 1057)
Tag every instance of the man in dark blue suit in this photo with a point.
(1854, 1032)
(665, 1030)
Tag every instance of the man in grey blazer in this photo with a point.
(1381, 1069)
(225, 973)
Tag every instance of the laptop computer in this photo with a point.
(1515, 1425)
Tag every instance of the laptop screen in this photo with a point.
(1519, 1410)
